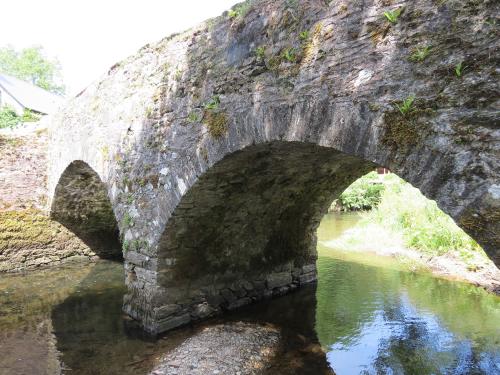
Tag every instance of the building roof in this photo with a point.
(30, 96)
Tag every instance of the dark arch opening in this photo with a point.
(254, 213)
(82, 205)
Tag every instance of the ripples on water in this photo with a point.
(369, 319)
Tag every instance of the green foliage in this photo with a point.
(407, 105)
(134, 245)
(424, 226)
(9, 118)
(304, 35)
(126, 246)
(193, 117)
(393, 15)
(30, 64)
(29, 116)
(364, 194)
(420, 54)
(213, 103)
(240, 10)
(289, 54)
(127, 221)
(260, 53)
(459, 69)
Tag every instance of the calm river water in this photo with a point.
(367, 315)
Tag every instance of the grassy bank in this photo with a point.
(402, 217)
(408, 226)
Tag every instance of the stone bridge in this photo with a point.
(211, 156)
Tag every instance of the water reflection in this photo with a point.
(380, 320)
(365, 316)
(95, 337)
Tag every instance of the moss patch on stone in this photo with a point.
(477, 224)
(29, 239)
(399, 131)
(216, 122)
(406, 129)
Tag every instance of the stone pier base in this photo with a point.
(162, 309)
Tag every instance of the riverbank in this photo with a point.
(471, 267)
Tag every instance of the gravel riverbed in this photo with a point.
(236, 349)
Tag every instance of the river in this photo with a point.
(367, 314)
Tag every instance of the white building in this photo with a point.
(21, 95)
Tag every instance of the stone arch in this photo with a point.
(256, 209)
(246, 229)
(81, 204)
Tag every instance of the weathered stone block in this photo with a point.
(309, 268)
(170, 323)
(307, 278)
(145, 275)
(239, 303)
(166, 311)
(247, 285)
(215, 299)
(203, 310)
(277, 280)
(228, 295)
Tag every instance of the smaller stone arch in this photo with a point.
(81, 204)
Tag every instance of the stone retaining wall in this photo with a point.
(28, 237)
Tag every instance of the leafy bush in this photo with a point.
(31, 65)
(9, 117)
(364, 194)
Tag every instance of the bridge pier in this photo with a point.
(161, 309)
(246, 230)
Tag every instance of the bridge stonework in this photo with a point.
(221, 148)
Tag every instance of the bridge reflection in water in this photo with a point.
(371, 319)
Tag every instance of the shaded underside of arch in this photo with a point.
(82, 205)
(247, 229)
(256, 209)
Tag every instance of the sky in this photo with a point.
(89, 36)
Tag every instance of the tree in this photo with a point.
(31, 64)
